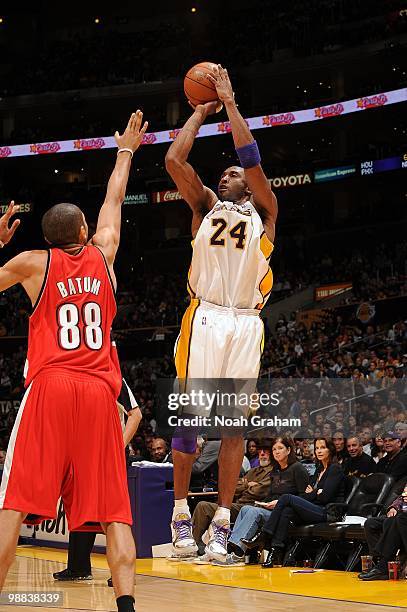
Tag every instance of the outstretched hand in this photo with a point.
(209, 108)
(221, 81)
(133, 134)
(6, 232)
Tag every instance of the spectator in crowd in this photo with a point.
(365, 437)
(386, 535)
(394, 401)
(288, 476)
(339, 441)
(305, 430)
(251, 488)
(352, 425)
(251, 452)
(159, 451)
(400, 429)
(358, 463)
(319, 420)
(327, 430)
(394, 462)
(327, 486)
(307, 456)
(2, 457)
(377, 448)
(205, 467)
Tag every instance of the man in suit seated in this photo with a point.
(386, 535)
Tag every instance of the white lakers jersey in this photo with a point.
(230, 260)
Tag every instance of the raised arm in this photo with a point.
(264, 199)
(107, 234)
(27, 268)
(14, 271)
(199, 198)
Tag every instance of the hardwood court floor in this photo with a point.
(169, 587)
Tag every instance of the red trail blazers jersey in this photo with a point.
(69, 329)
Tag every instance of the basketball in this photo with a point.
(197, 87)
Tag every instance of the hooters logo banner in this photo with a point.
(5, 151)
(173, 134)
(45, 148)
(333, 110)
(372, 102)
(86, 144)
(282, 119)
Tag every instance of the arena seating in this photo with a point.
(368, 496)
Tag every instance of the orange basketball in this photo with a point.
(197, 87)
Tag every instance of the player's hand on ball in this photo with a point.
(133, 134)
(209, 108)
(220, 79)
(6, 232)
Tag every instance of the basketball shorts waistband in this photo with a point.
(230, 309)
(70, 375)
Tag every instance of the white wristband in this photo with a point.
(125, 150)
(2, 244)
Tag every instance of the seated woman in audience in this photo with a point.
(377, 448)
(288, 476)
(327, 486)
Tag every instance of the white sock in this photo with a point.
(222, 514)
(180, 507)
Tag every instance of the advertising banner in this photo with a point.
(320, 113)
(136, 198)
(170, 195)
(334, 174)
(325, 291)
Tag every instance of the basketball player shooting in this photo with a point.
(67, 439)
(229, 282)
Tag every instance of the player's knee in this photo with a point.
(184, 445)
(124, 557)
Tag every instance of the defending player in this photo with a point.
(229, 282)
(67, 439)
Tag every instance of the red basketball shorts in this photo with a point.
(67, 442)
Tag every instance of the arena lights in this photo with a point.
(320, 113)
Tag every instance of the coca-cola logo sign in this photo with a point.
(170, 195)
